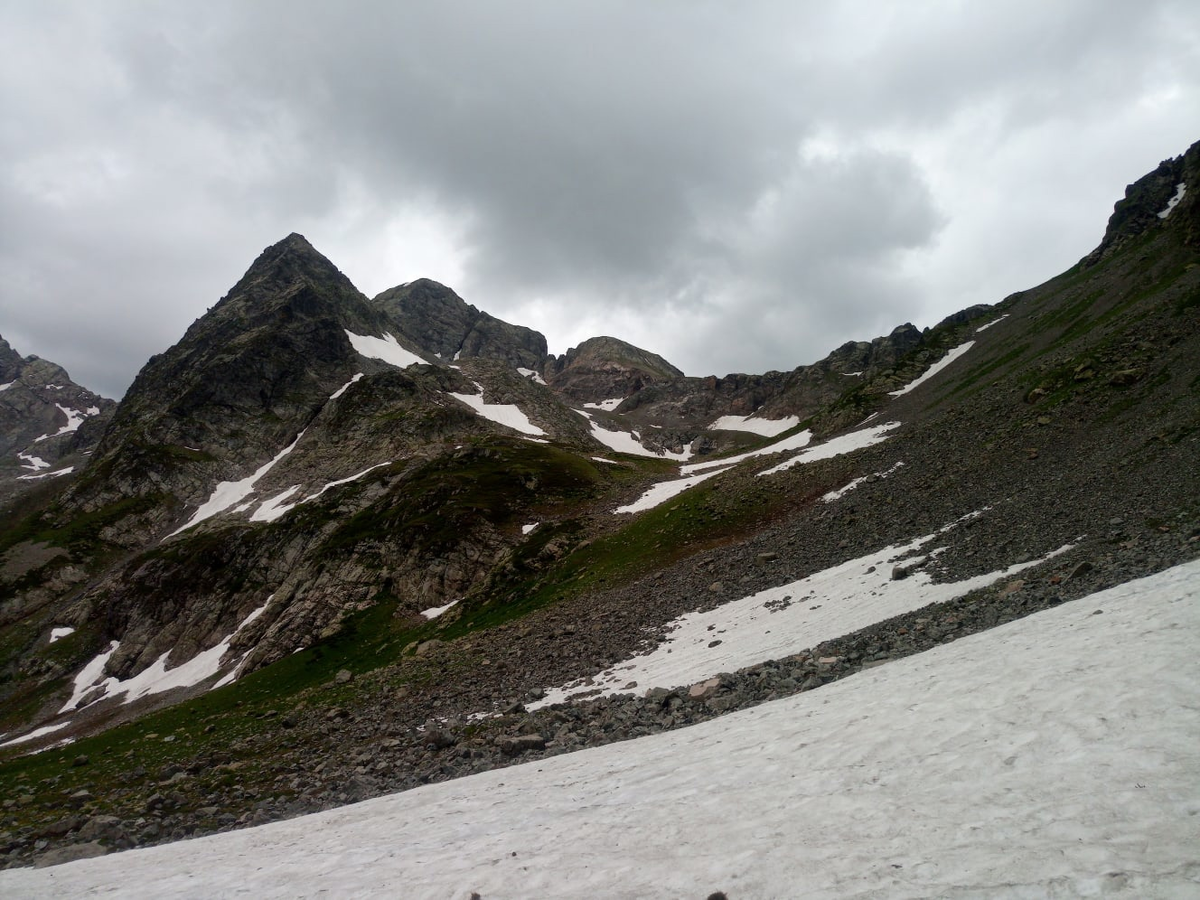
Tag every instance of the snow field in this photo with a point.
(1018, 762)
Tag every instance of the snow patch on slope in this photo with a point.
(1180, 191)
(845, 443)
(91, 686)
(794, 442)
(754, 425)
(345, 387)
(629, 442)
(506, 414)
(934, 369)
(664, 491)
(606, 405)
(843, 491)
(231, 493)
(531, 374)
(784, 620)
(386, 348)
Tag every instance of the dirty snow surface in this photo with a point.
(1018, 762)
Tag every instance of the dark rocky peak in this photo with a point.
(244, 380)
(866, 356)
(441, 322)
(1165, 197)
(605, 368)
(45, 420)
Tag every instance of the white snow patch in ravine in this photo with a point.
(526, 529)
(231, 493)
(55, 474)
(275, 508)
(664, 491)
(990, 324)
(74, 420)
(435, 611)
(1180, 191)
(35, 462)
(386, 348)
(629, 442)
(845, 443)
(345, 387)
(342, 481)
(606, 405)
(506, 414)
(5, 387)
(792, 442)
(61, 632)
(844, 490)
(1017, 762)
(765, 427)
(783, 620)
(934, 369)
(36, 733)
(90, 685)
(530, 373)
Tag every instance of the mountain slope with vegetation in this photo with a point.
(387, 558)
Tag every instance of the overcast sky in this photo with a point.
(737, 186)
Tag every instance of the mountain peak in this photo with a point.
(437, 319)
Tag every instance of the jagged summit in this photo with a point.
(441, 322)
(47, 422)
(1166, 197)
(604, 368)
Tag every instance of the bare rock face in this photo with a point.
(440, 321)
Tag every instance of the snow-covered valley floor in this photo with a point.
(1055, 756)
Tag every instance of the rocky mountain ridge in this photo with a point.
(48, 423)
(385, 555)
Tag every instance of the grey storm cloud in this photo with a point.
(736, 186)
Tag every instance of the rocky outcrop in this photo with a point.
(437, 319)
(47, 422)
(1166, 197)
(605, 368)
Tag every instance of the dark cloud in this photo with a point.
(738, 187)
